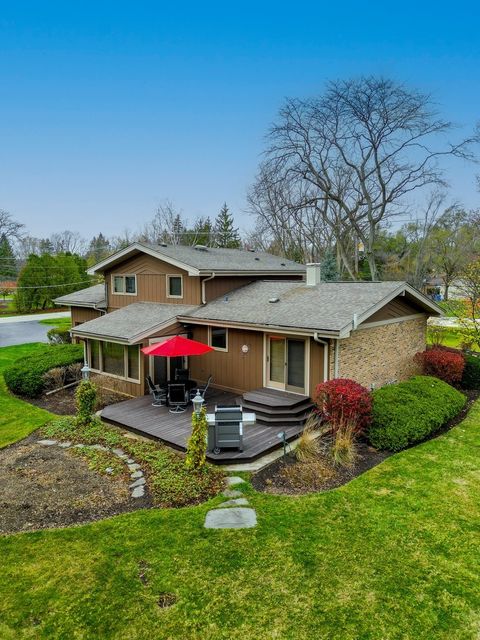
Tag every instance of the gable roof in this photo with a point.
(89, 297)
(331, 308)
(133, 322)
(197, 261)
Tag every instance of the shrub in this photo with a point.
(471, 373)
(197, 443)
(58, 335)
(408, 412)
(344, 445)
(85, 400)
(344, 399)
(441, 363)
(308, 443)
(25, 376)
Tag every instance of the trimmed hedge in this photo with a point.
(58, 335)
(25, 376)
(408, 412)
(471, 373)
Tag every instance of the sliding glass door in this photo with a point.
(286, 363)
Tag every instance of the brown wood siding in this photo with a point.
(232, 370)
(151, 282)
(316, 366)
(83, 314)
(396, 308)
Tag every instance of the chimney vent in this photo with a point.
(313, 274)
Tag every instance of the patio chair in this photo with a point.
(159, 394)
(201, 390)
(182, 375)
(227, 432)
(177, 397)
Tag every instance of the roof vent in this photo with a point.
(256, 258)
(282, 264)
(251, 250)
(163, 244)
(314, 274)
(274, 300)
(200, 247)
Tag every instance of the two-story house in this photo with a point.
(273, 324)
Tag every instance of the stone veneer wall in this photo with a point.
(382, 354)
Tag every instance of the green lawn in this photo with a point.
(60, 323)
(450, 338)
(393, 554)
(17, 418)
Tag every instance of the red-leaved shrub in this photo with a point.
(344, 400)
(442, 363)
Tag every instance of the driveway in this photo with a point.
(22, 329)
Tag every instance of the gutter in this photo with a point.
(211, 277)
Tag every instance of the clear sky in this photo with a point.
(107, 108)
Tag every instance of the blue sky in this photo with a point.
(107, 108)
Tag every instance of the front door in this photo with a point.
(286, 364)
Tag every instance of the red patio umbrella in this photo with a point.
(177, 346)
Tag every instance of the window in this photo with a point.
(133, 362)
(219, 338)
(126, 285)
(174, 287)
(95, 355)
(113, 358)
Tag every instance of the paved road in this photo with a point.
(22, 329)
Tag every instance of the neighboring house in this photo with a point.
(272, 322)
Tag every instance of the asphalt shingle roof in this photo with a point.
(329, 306)
(134, 320)
(85, 297)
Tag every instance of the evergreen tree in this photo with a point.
(226, 234)
(8, 269)
(98, 249)
(329, 267)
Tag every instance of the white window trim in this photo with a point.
(125, 362)
(210, 339)
(123, 275)
(167, 290)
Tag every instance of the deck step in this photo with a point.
(276, 408)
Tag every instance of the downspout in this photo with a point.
(336, 358)
(325, 354)
(204, 295)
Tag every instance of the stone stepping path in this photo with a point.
(137, 487)
(234, 512)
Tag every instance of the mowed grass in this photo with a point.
(450, 338)
(393, 554)
(17, 418)
(60, 323)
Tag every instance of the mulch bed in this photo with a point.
(43, 487)
(272, 479)
(62, 402)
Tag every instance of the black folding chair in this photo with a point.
(159, 394)
(201, 390)
(182, 375)
(177, 397)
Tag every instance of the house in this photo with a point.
(273, 324)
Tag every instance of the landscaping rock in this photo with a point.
(138, 492)
(47, 443)
(99, 447)
(109, 470)
(129, 460)
(235, 518)
(232, 493)
(136, 474)
(233, 480)
(134, 467)
(138, 483)
(119, 452)
(65, 445)
(236, 502)
(80, 446)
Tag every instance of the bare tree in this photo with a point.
(356, 153)
(68, 242)
(9, 227)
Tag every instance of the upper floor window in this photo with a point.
(126, 285)
(174, 286)
(219, 338)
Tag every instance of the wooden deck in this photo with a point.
(138, 415)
